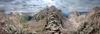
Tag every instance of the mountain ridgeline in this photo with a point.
(51, 21)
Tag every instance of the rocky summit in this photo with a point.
(53, 17)
(51, 21)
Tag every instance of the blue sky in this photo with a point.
(35, 5)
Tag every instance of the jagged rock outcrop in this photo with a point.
(87, 24)
(53, 17)
(54, 22)
(92, 23)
